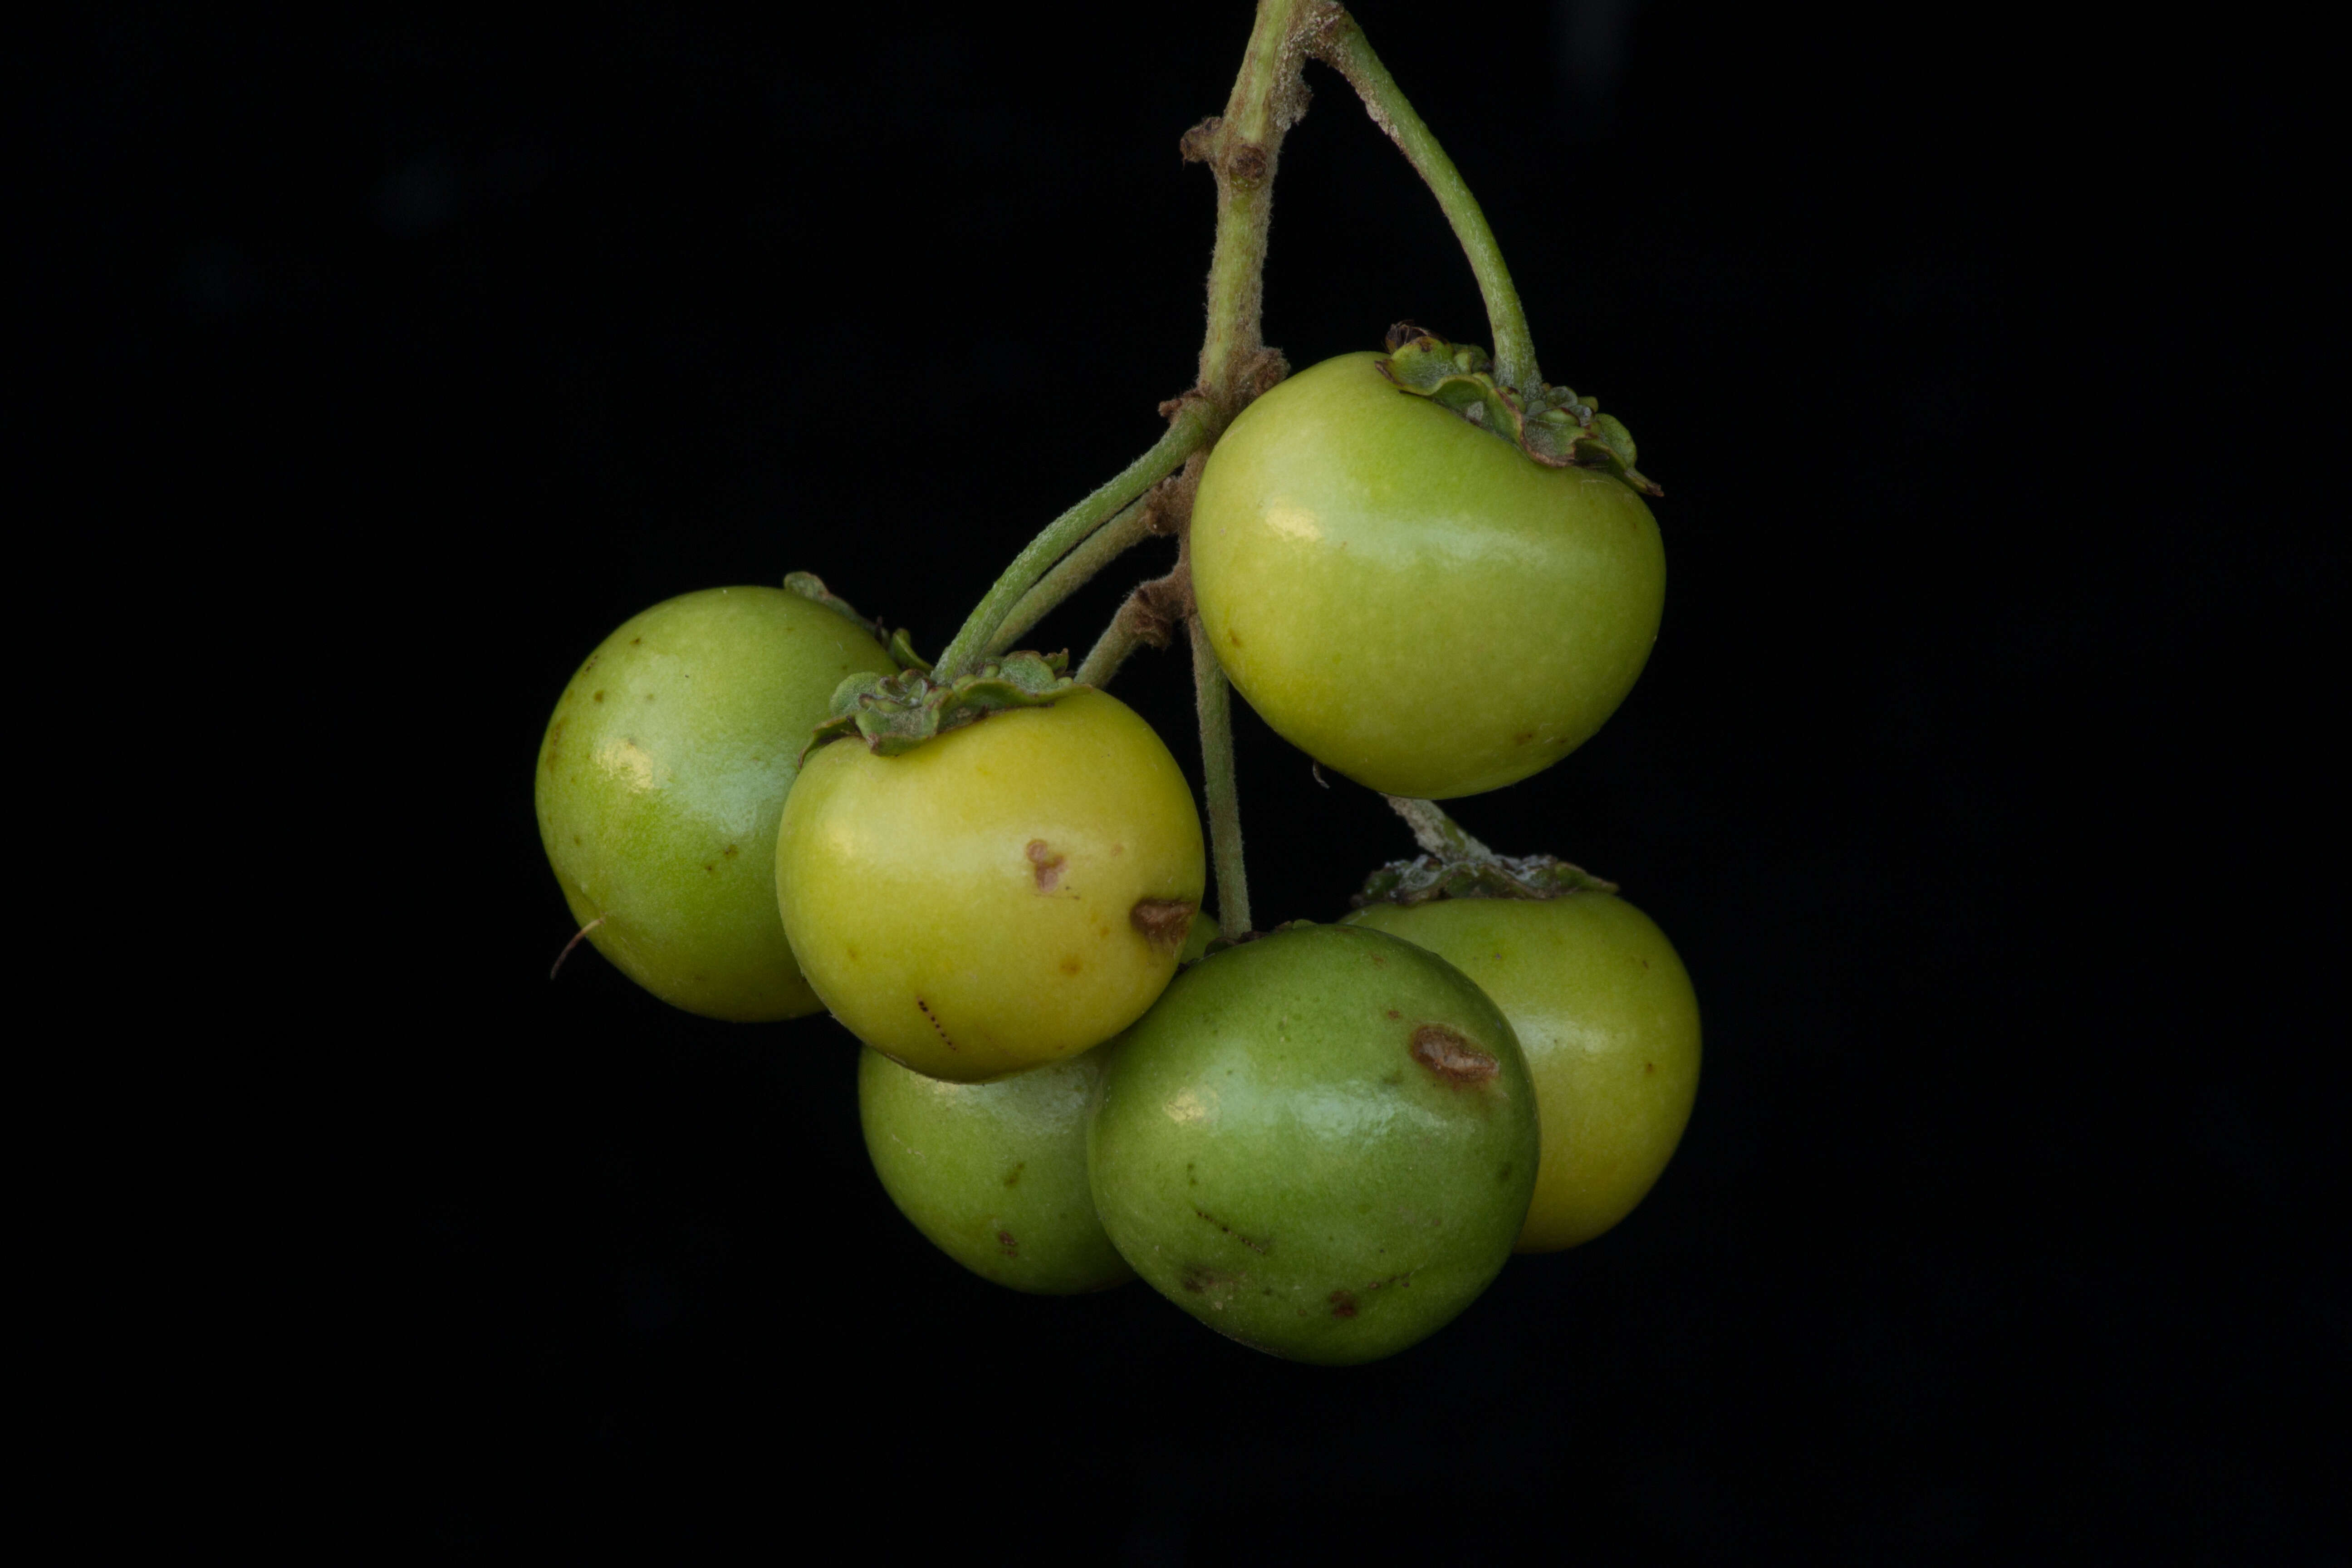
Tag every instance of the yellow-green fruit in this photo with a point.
(1410, 599)
(661, 778)
(1605, 1012)
(1008, 894)
(994, 1173)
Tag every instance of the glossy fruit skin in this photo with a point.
(1605, 1012)
(661, 778)
(994, 1173)
(969, 908)
(1410, 599)
(1287, 1147)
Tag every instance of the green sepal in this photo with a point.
(809, 586)
(896, 713)
(1426, 877)
(1550, 423)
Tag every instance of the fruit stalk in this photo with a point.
(1341, 45)
(1189, 428)
(1213, 696)
(1123, 533)
(1241, 149)
(1437, 833)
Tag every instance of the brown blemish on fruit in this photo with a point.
(1012, 1176)
(711, 866)
(1048, 865)
(1649, 1068)
(634, 641)
(1523, 738)
(1163, 921)
(1070, 964)
(1395, 1013)
(1343, 1303)
(598, 697)
(1012, 1248)
(933, 1020)
(1452, 1056)
(1252, 1243)
(728, 853)
(1235, 638)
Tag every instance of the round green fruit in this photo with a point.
(1008, 894)
(1410, 599)
(1605, 1012)
(661, 778)
(994, 1173)
(1320, 1143)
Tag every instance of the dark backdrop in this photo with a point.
(1975, 775)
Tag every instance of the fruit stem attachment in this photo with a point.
(1189, 428)
(1437, 833)
(1341, 45)
(1214, 695)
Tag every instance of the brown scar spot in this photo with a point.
(598, 698)
(634, 641)
(1648, 1068)
(1162, 921)
(933, 1020)
(1395, 1013)
(1012, 1248)
(1523, 738)
(710, 866)
(1452, 1056)
(728, 852)
(1343, 1303)
(1012, 1176)
(1070, 964)
(1048, 865)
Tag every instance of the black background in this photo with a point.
(1976, 774)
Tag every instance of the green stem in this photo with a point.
(1436, 832)
(1130, 528)
(1214, 695)
(1110, 650)
(1187, 431)
(1242, 149)
(1342, 46)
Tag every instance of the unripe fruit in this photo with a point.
(661, 778)
(1604, 1010)
(1321, 1143)
(994, 1173)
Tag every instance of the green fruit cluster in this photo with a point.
(1324, 1141)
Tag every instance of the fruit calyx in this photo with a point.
(1426, 877)
(809, 586)
(1550, 423)
(896, 713)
